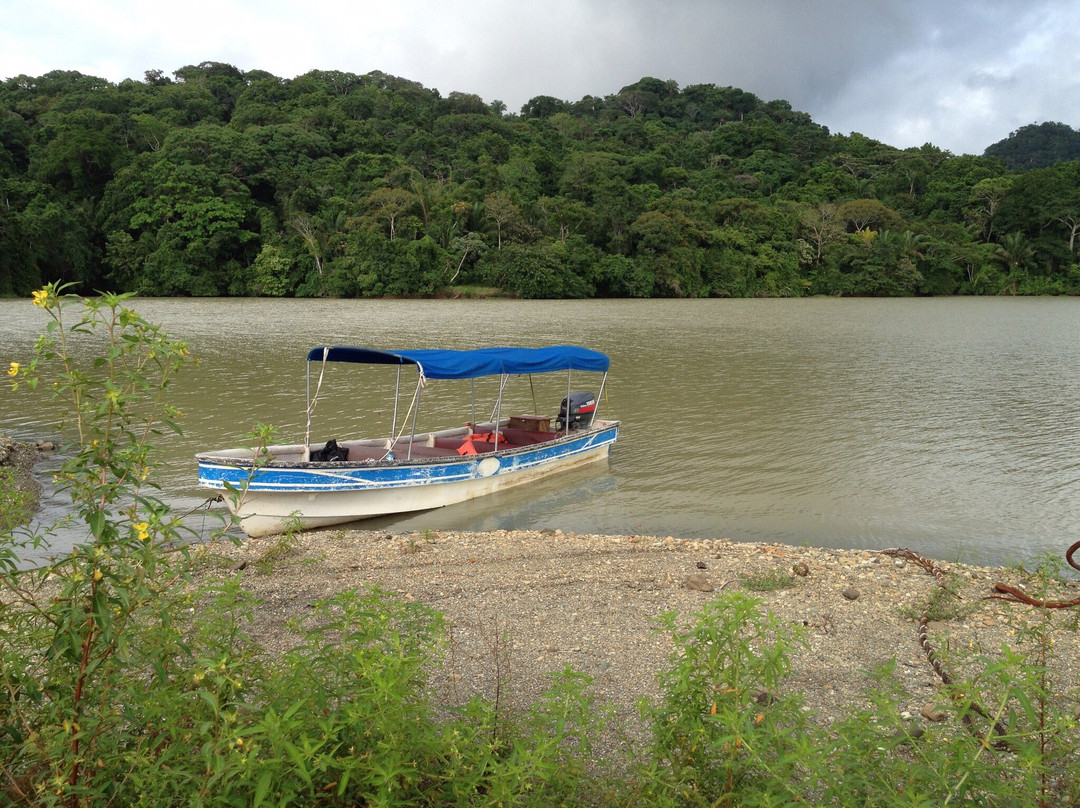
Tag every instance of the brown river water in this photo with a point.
(950, 426)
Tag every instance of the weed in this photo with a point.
(769, 580)
(285, 545)
(411, 545)
(67, 654)
(710, 730)
(944, 603)
(17, 509)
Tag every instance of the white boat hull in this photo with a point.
(280, 495)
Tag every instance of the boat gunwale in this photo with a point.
(211, 458)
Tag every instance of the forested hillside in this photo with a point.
(1037, 146)
(223, 182)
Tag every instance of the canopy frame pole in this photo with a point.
(397, 394)
(307, 408)
(599, 395)
(498, 408)
(416, 411)
(413, 409)
(503, 379)
(566, 420)
(312, 401)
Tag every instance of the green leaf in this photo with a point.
(262, 788)
(96, 521)
(1025, 702)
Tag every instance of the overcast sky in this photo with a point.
(960, 74)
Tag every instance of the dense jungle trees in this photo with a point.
(1037, 146)
(218, 181)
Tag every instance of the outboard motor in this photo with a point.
(581, 410)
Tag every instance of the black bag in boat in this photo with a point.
(331, 451)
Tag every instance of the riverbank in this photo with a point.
(523, 605)
(20, 458)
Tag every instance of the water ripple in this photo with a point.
(950, 426)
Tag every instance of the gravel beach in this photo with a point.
(524, 605)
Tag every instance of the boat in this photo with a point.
(277, 488)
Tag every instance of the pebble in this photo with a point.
(699, 582)
(851, 593)
(928, 712)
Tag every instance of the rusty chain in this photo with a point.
(1015, 595)
(934, 569)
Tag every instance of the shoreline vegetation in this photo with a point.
(218, 181)
(528, 616)
(17, 460)
(594, 602)
(340, 667)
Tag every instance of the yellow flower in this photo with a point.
(141, 530)
(98, 575)
(41, 298)
(14, 369)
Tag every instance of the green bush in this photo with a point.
(17, 502)
(723, 730)
(123, 683)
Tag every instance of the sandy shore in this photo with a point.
(523, 605)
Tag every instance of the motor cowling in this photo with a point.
(579, 408)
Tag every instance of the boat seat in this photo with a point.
(431, 451)
(360, 453)
(527, 437)
(480, 446)
(401, 451)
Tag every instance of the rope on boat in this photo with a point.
(607, 405)
(311, 405)
(421, 383)
(204, 504)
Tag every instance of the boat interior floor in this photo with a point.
(509, 438)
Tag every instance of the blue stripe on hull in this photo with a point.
(348, 477)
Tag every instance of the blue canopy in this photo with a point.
(440, 364)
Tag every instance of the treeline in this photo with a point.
(219, 181)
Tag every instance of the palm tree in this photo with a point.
(913, 245)
(1016, 255)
